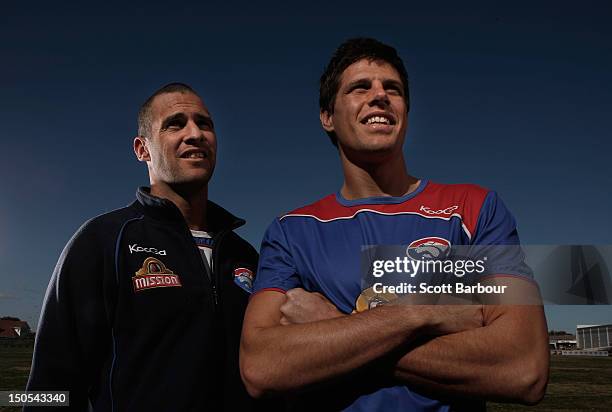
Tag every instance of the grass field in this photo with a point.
(14, 369)
(576, 383)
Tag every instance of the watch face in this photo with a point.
(369, 299)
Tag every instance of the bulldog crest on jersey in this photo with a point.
(429, 248)
(154, 274)
(243, 277)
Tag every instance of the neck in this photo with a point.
(384, 178)
(191, 202)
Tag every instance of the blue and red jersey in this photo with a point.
(318, 247)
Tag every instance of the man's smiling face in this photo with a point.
(370, 113)
(182, 147)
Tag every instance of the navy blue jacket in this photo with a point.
(130, 320)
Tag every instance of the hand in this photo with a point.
(443, 314)
(304, 307)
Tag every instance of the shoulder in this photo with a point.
(463, 198)
(115, 217)
(240, 248)
(470, 200)
(439, 193)
(465, 201)
(483, 213)
(105, 226)
(322, 209)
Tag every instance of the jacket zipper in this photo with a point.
(214, 277)
(214, 292)
(213, 288)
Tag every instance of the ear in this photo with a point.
(327, 120)
(140, 149)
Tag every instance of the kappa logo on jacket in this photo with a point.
(135, 249)
(154, 274)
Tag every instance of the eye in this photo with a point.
(175, 124)
(205, 125)
(359, 87)
(394, 90)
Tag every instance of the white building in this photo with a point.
(594, 337)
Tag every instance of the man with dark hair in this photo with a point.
(349, 53)
(337, 340)
(145, 306)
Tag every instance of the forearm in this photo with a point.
(284, 358)
(505, 360)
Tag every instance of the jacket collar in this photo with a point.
(218, 218)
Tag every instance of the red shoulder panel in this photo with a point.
(467, 198)
(437, 200)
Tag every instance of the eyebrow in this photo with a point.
(357, 82)
(204, 118)
(181, 117)
(171, 119)
(386, 83)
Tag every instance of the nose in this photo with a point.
(379, 96)
(194, 134)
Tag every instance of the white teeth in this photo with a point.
(198, 155)
(378, 119)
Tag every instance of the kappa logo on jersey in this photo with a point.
(448, 211)
(428, 248)
(135, 249)
(243, 277)
(154, 274)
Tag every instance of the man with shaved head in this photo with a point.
(145, 306)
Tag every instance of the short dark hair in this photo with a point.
(347, 53)
(144, 114)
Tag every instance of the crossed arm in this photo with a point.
(492, 352)
(505, 360)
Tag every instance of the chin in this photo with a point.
(379, 146)
(192, 182)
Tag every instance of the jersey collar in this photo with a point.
(381, 200)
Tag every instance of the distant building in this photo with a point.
(14, 328)
(594, 337)
(595, 353)
(561, 340)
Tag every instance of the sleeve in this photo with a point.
(276, 270)
(73, 337)
(496, 240)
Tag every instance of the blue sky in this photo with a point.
(515, 98)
